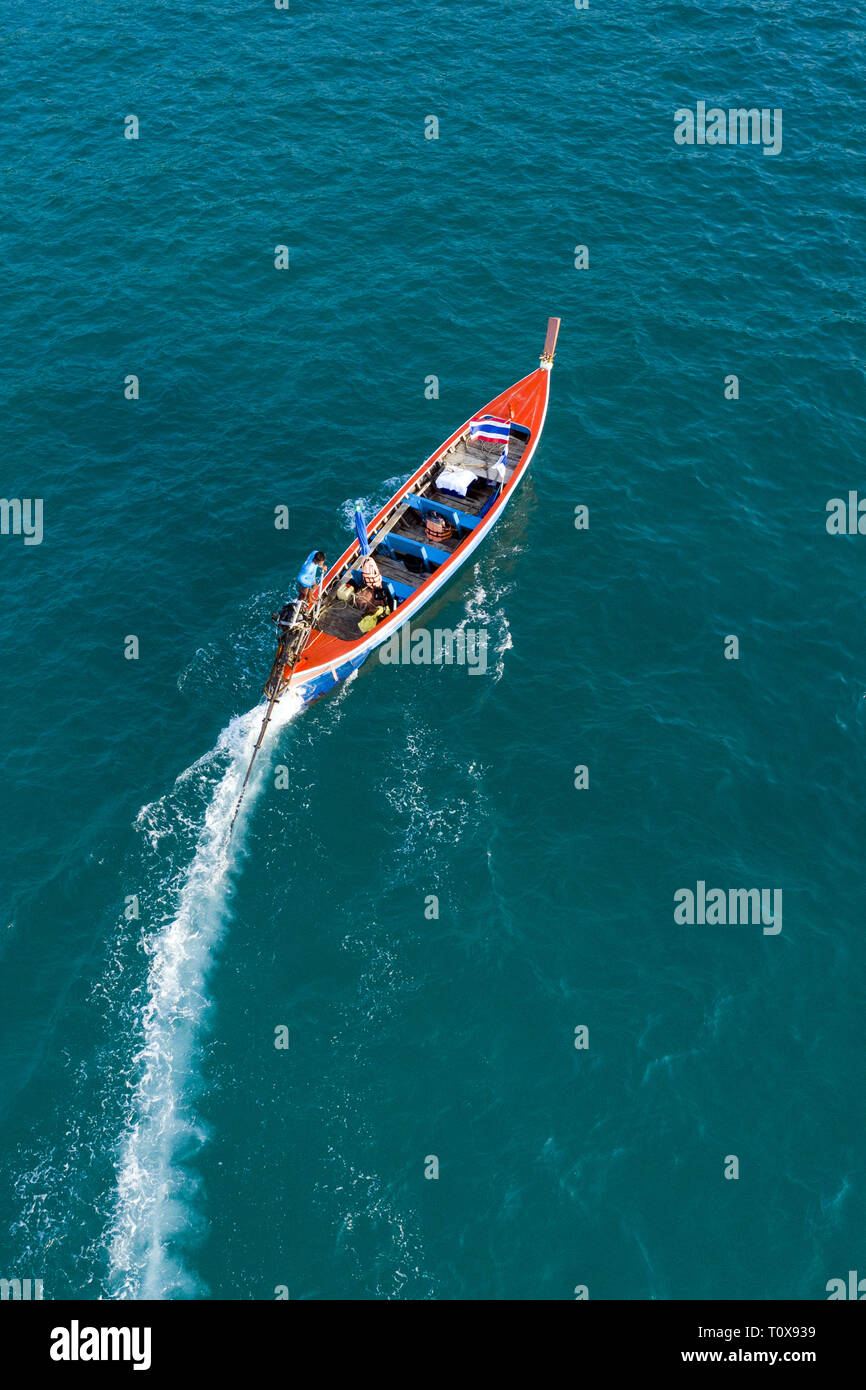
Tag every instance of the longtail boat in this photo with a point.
(322, 643)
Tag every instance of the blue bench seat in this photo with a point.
(405, 545)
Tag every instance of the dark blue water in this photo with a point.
(155, 1143)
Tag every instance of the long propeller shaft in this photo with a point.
(265, 722)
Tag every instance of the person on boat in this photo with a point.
(308, 578)
(308, 575)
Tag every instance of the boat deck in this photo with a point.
(479, 492)
(477, 454)
(340, 619)
(412, 525)
(394, 569)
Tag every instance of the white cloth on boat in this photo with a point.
(496, 472)
(456, 480)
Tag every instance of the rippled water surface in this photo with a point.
(154, 1142)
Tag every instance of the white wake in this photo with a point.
(154, 1211)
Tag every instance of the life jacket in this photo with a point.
(370, 571)
(436, 528)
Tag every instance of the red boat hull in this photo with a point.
(327, 659)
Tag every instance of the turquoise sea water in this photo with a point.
(154, 1143)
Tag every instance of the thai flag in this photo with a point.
(490, 427)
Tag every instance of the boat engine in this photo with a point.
(293, 630)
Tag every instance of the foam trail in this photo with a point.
(154, 1199)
